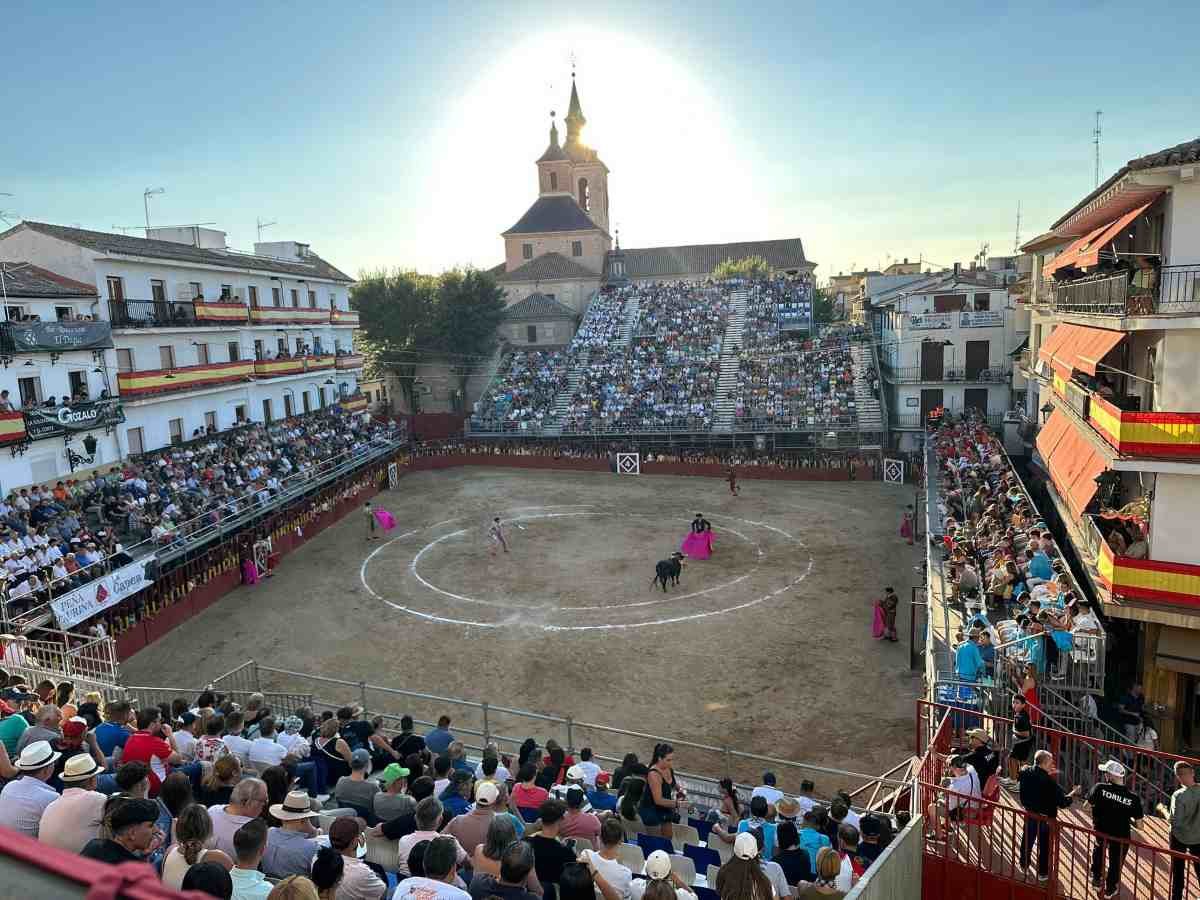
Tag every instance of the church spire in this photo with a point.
(575, 118)
(553, 130)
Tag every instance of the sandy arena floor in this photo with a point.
(766, 647)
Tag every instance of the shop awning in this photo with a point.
(1077, 348)
(1071, 459)
(1085, 251)
(1178, 650)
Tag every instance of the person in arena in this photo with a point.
(496, 536)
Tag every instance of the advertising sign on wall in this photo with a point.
(83, 603)
(59, 337)
(984, 318)
(929, 321)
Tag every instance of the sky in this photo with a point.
(398, 135)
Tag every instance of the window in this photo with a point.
(281, 345)
(259, 350)
(158, 290)
(267, 409)
(14, 313)
(577, 248)
(949, 302)
(287, 406)
(166, 357)
(176, 427)
(210, 421)
(317, 348)
(135, 441)
(227, 292)
(527, 251)
(276, 294)
(299, 346)
(30, 390)
(312, 299)
(116, 287)
(983, 302)
(306, 401)
(585, 197)
(332, 300)
(124, 360)
(554, 181)
(531, 333)
(202, 354)
(235, 351)
(252, 293)
(63, 312)
(321, 397)
(197, 290)
(78, 382)
(239, 412)
(295, 298)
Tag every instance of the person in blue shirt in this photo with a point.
(758, 820)
(811, 838)
(599, 797)
(438, 741)
(112, 732)
(1038, 568)
(968, 661)
(455, 798)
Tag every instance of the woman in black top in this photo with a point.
(792, 858)
(333, 751)
(664, 798)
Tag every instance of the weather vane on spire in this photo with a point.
(571, 56)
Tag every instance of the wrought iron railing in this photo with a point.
(915, 375)
(151, 313)
(1104, 295)
(1178, 293)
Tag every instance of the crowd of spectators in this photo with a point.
(243, 803)
(810, 388)
(522, 394)
(54, 539)
(776, 310)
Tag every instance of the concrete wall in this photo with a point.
(896, 874)
(595, 246)
(1173, 519)
(1178, 376)
(1183, 225)
(556, 332)
(573, 294)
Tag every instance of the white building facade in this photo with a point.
(206, 337)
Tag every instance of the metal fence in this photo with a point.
(89, 662)
(917, 375)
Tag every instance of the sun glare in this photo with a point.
(676, 173)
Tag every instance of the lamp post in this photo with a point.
(74, 460)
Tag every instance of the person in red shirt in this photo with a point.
(154, 745)
(526, 794)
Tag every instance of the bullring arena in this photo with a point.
(765, 647)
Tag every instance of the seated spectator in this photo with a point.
(577, 822)
(216, 787)
(394, 800)
(658, 873)
(440, 862)
(527, 794)
(356, 790)
(742, 877)
(428, 818)
(358, 881)
(23, 800)
(131, 824)
(824, 886)
(153, 744)
(247, 801)
(249, 845)
(505, 871)
(75, 817)
(550, 854)
(209, 878)
(193, 830)
(291, 846)
(599, 797)
(767, 789)
(791, 857)
(456, 798)
(471, 828)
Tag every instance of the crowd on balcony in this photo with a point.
(81, 395)
(56, 538)
(251, 802)
(811, 388)
(522, 394)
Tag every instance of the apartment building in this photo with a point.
(1115, 347)
(944, 341)
(205, 337)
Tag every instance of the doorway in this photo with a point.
(931, 399)
(976, 398)
(977, 359)
(933, 355)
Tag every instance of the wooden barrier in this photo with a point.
(705, 470)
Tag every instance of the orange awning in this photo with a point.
(1085, 251)
(1072, 461)
(1077, 348)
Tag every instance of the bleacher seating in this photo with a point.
(522, 393)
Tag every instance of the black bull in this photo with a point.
(668, 570)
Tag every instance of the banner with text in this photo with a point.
(49, 421)
(60, 337)
(927, 321)
(83, 603)
(984, 318)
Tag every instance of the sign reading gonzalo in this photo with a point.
(49, 421)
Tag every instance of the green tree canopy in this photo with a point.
(746, 267)
(823, 305)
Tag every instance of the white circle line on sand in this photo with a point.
(446, 620)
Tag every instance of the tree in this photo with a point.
(823, 305)
(468, 309)
(395, 310)
(747, 267)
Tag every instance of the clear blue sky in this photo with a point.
(405, 135)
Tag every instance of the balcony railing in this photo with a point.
(350, 361)
(1178, 293)
(1147, 580)
(279, 315)
(343, 317)
(1157, 434)
(915, 375)
(184, 378)
(275, 368)
(916, 420)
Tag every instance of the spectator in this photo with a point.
(1184, 814)
(114, 731)
(46, 721)
(406, 742)
(825, 885)
(247, 801)
(441, 774)
(394, 799)
(961, 784)
(471, 828)
(588, 767)
(456, 798)
(1022, 740)
(428, 817)
(187, 735)
(526, 794)
(607, 860)
(209, 878)
(333, 751)
(599, 797)
(629, 766)
(291, 846)
(1115, 812)
(327, 871)
(193, 830)
(871, 844)
(582, 881)
(757, 821)
(658, 869)
(74, 818)
(663, 798)
(356, 790)
(1041, 796)
(359, 881)
(811, 837)
(249, 844)
(791, 857)
(238, 745)
(439, 739)
(23, 801)
(441, 861)
(550, 854)
(133, 835)
(767, 789)
(742, 878)
(504, 865)
(981, 756)
(577, 822)
(216, 787)
(294, 887)
(153, 744)
(406, 823)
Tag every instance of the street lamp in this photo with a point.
(74, 460)
(1046, 410)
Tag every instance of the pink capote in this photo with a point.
(878, 629)
(385, 519)
(697, 545)
(249, 572)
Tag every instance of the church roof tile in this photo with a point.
(538, 306)
(555, 212)
(548, 267)
(701, 259)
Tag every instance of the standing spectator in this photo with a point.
(1022, 740)
(663, 798)
(1132, 709)
(550, 854)
(767, 789)
(249, 844)
(23, 801)
(359, 881)
(441, 862)
(1184, 814)
(74, 818)
(742, 878)
(1115, 811)
(1041, 795)
(968, 661)
(133, 834)
(438, 740)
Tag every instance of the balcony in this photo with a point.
(133, 385)
(54, 338)
(1154, 434)
(175, 313)
(353, 404)
(55, 421)
(343, 317)
(350, 361)
(276, 368)
(1177, 294)
(288, 315)
(912, 421)
(915, 375)
(1120, 577)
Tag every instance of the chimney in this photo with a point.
(956, 267)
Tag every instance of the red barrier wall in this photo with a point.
(436, 426)
(709, 470)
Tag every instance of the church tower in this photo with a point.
(554, 166)
(589, 175)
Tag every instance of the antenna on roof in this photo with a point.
(1096, 141)
(6, 215)
(146, 195)
(1017, 236)
(261, 226)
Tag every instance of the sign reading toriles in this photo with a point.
(83, 603)
(48, 421)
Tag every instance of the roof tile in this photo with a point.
(697, 259)
(547, 267)
(538, 306)
(555, 212)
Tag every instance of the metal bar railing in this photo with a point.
(1105, 295)
(1179, 289)
(915, 374)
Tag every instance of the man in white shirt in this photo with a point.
(589, 768)
(238, 745)
(767, 789)
(264, 749)
(961, 780)
(606, 861)
(441, 869)
(75, 817)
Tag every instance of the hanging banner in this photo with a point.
(984, 318)
(83, 603)
(60, 337)
(49, 421)
(929, 321)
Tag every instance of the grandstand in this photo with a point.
(698, 359)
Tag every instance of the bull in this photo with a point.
(668, 570)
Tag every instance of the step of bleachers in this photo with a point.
(870, 412)
(730, 348)
(632, 310)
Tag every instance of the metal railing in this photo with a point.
(916, 420)
(915, 375)
(154, 313)
(1103, 295)
(1178, 293)
(89, 662)
(1179, 290)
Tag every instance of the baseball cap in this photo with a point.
(392, 772)
(188, 718)
(658, 865)
(745, 846)
(1113, 768)
(360, 759)
(486, 793)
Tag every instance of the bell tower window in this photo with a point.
(554, 181)
(585, 198)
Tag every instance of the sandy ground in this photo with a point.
(765, 647)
